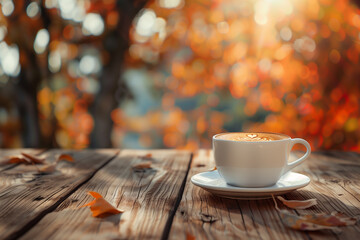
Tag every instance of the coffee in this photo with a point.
(251, 137)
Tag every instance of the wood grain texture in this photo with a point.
(335, 182)
(147, 196)
(26, 195)
(46, 206)
(206, 216)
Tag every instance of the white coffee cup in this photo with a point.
(255, 159)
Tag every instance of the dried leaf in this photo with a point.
(23, 158)
(334, 219)
(65, 157)
(190, 237)
(301, 222)
(146, 156)
(17, 159)
(100, 207)
(48, 168)
(142, 165)
(213, 169)
(298, 204)
(317, 221)
(33, 159)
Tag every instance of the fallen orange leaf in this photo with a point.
(334, 219)
(298, 204)
(65, 157)
(317, 221)
(190, 237)
(302, 223)
(33, 159)
(18, 159)
(213, 169)
(100, 207)
(142, 165)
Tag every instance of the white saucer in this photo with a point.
(214, 183)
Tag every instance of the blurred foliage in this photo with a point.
(58, 50)
(194, 69)
(281, 66)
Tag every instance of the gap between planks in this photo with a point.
(170, 220)
(27, 227)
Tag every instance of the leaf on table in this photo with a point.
(23, 158)
(100, 207)
(190, 237)
(302, 223)
(142, 165)
(333, 219)
(213, 169)
(298, 204)
(315, 221)
(17, 159)
(33, 159)
(65, 157)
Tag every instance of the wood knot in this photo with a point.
(200, 165)
(39, 198)
(207, 218)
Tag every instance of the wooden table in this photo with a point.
(161, 203)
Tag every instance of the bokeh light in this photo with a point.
(7, 7)
(9, 59)
(33, 9)
(93, 24)
(41, 41)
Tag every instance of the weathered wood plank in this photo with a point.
(6, 153)
(335, 183)
(26, 195)
(148, 198)
(253, 219)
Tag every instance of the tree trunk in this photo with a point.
(30, 78)
(112, 87)
(29, 81)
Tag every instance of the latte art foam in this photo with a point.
(251, 137)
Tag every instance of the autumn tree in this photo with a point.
(54, 46)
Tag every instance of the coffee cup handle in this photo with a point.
(300, 160)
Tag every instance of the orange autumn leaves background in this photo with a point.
(192, 69)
